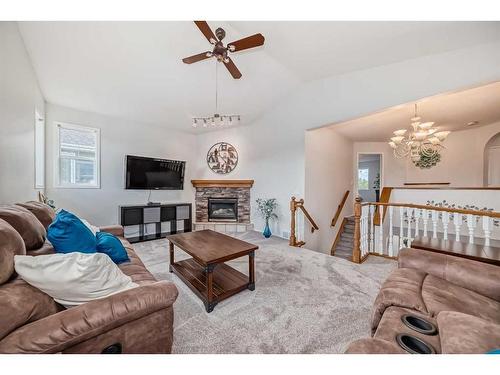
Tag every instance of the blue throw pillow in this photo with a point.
(68, 234)
(110, 245)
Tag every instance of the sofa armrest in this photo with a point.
(64, 329)
(116, 230)
(482, 278)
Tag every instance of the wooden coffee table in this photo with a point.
(205, 273)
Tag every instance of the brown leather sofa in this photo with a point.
(459, 297)
(139, 320)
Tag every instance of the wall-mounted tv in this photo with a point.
(153, 174)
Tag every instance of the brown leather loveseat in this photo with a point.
(459, 297)
(139, 320)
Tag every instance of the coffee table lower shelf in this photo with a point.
(226, 280)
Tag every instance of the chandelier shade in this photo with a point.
(422, 140)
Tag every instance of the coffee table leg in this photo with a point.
(251, 270)
(210, 304)
(171, 248)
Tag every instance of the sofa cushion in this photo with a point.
(467, 334)
(21, 304)
(67, 234)
(44, 213)
(111, 245)
(135, 268)
(402, 288)
(374, 346)
(26, 224)
(441, 295)
(75, 278)
(11, 243)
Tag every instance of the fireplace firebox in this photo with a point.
(223, 209)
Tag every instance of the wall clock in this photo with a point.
(222, 158)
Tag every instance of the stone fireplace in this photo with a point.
(222, 205)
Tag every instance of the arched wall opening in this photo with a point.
(492, 162)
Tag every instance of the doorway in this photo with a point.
(369, 176)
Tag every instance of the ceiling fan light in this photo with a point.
(400, 132)
(398, 139)
(442, 135)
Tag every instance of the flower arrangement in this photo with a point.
(267, 209)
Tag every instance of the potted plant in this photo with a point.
(376, 186)
(266, 208)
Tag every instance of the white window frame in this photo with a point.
(57, 181)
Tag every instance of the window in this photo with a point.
(78, 155)
(363, 179)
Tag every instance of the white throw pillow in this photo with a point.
(74, 278)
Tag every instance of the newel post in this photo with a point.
(293, 239)
(356, 250)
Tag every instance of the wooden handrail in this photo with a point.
(339, 209)
(385, 196)
(437, 208)
(314, 226)
(294, 204)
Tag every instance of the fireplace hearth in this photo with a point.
(223, 209)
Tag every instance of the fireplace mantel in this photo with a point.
(222, 183)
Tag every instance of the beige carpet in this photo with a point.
(304, 301)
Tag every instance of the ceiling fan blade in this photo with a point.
(196, 58)
(245, 43)
(207, 31)
(232, 69)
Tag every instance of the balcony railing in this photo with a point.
(405, 223)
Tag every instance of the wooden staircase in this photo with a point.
(344, 243)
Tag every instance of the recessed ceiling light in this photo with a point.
(472, 123)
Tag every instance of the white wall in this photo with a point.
(19, 96)
(328, 175)
(118, 138)
(272, 148)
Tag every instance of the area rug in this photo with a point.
(304, 301)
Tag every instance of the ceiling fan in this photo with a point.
(220, 52)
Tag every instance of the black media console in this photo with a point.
(165, 218)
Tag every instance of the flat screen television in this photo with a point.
(153, 174)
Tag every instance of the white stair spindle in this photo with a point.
(391, 249)
(471, 224)
(401, 227)
(446, 220)
(409, 215)
(487, 230)
(425, 217)
(434, 223)
(381, 230)
(418, 212)
(457, 221)
(372, 229)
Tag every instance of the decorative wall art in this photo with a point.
(428, 160)
(222, 158)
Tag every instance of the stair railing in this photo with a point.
(412, 222)
(339, 209)
(294, 206)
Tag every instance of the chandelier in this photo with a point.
(423, 140)
(217, 119)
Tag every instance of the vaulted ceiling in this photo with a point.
(134, 70)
